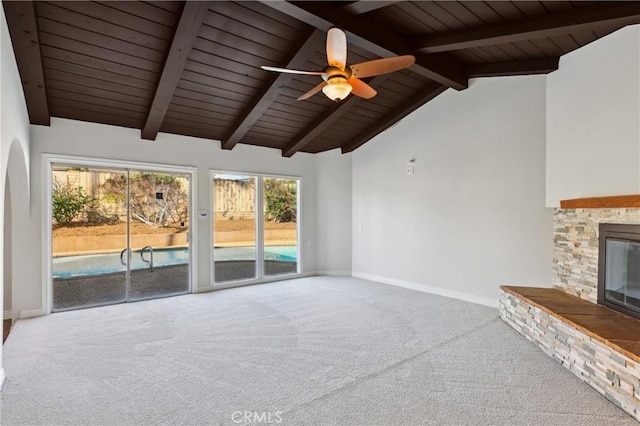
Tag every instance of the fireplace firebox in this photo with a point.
(619, 268)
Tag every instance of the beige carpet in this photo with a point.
(316, 351)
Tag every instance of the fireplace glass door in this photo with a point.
(622, 284)
(619, 268)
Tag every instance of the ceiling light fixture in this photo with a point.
(337, 89)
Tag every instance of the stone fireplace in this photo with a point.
(599, 345)
(576, 246)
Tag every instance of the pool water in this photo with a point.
(98, 264)
(281, 253)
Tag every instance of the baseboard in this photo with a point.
(467, 297)
(7, 315)
(2, 377)
(31, 313)
(334, 273)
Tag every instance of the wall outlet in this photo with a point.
(409, 170)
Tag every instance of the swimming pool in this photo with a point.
(281, 253)
(98, 264)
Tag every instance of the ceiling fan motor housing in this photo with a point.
(335, 72)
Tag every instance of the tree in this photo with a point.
(280, 197)
(156, 199)
(68, 201)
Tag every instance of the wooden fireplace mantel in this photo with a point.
(616, 201)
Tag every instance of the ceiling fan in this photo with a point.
(341, 79)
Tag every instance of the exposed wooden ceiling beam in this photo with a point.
(296, 60)
(187, 30)
(23, 29)
(365, 6)
(430, 92)
(528, 67)
(548, 25)
(376, 37)
(318, 126)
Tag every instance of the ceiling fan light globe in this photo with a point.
(337, 91)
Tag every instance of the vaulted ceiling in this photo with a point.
(193, 68)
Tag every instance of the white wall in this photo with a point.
(333, 198)
(68, 137)
(14, 144)
(14, 119)
(593, 120)
(472, 217)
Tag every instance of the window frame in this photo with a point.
(259, 220)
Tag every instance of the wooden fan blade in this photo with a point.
(287, 70)
(337, 48)
(362, 89)
(382, 66)
(313, 91)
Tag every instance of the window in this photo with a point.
(249, 242)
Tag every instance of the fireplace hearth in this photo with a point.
(596, 258)
(619, 267)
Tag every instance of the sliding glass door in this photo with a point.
(251, 242)
(280, 220)
(118, 235)
(88, 233)
(234, 227)
(158, 218)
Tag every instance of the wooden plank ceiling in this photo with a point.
(193, 68)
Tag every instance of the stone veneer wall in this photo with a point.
(575, 247)
(609, 372)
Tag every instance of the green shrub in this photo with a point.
(68, 202)
(280, 199)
